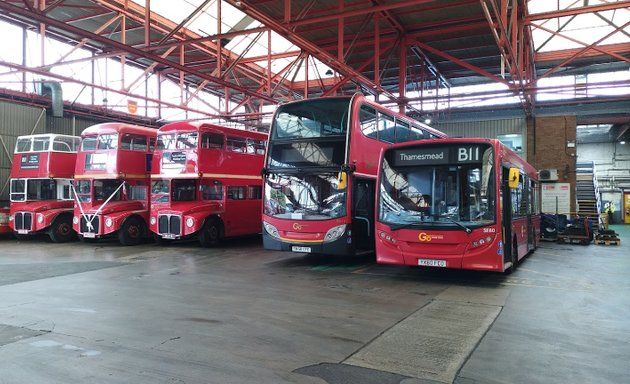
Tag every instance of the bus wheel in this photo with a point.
(61, 230)
(211, 233)
(513, 259)
(131, 232)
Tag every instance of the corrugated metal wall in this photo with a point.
(487, 128)
(17, 120)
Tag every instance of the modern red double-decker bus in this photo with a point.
(112, 179)
(40, 192)
(320, 172)
(456, 203)
(206, 182)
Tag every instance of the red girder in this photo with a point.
(127, 49)
(577, 11)
(312, 48)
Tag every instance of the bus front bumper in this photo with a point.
(340, 247)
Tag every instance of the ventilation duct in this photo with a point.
(52, 88)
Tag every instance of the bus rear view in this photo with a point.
(439, 205)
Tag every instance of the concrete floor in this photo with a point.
(104, 313)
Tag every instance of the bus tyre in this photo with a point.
(132, 232)
(61, 230)
(211, 233)
(513, 259)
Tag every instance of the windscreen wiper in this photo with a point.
(465, 228)
(395, 227)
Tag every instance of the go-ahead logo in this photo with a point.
(297, 226)
(425, 237)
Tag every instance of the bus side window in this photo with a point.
(212, 190)
(236, 144)
(212, 141)
(236, 193)
(254, 192)
(367, 116)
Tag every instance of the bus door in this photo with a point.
(506, 215)
(363, 213)
(530, 209)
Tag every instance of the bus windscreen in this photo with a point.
(437, 187)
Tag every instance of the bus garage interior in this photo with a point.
(536, 92)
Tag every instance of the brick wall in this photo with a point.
(547, 148)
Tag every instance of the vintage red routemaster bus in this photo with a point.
(320, 172)
(456, 203)
(40, 192)
(112, 179)
(206, 182)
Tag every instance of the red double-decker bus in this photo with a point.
(456, 203)
(206, 182)
(112, 179)
(320, 172)
(40, 192)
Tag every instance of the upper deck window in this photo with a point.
(177, 141)
(91, 143)
(133, 142)
(237, 144)
(212, 141)
(65, 144)
(312, 119)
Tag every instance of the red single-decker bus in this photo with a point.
(206, 182)
(112, 180)
(456, 203)
(40, 192)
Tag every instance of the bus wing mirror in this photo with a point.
(513, 178)
(342, 180)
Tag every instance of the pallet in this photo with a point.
(607, 242)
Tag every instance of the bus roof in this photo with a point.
(196, 126)
(109, 128)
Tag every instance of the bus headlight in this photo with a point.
(109, 222)
(271, 230)
(11, 217)
(153, 220)
(334, 233)
(40, 218)
(190, 222)
(75, 220)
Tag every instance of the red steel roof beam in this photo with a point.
(610, 50)
(462, 63)
(311, 48)
(577, 11)
(122, 47)
(583, 50)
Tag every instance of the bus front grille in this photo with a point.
(23, 221)
(170, 225)
(95, 225)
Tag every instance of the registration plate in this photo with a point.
(169, 236)
(432, 263)
(301, 249)
(89, 235)
(22, 231)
